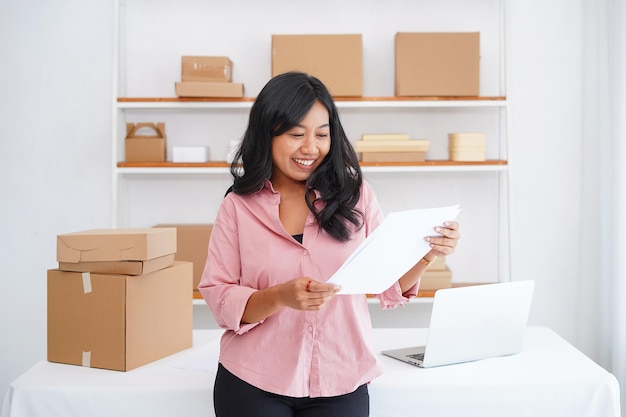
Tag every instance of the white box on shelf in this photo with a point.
(190, 154)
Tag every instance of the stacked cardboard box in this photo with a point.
(436, 276)
(192, 244)
(467, 147)
(207, 76)
(391, 147)
(119, 299)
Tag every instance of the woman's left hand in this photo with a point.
(446, 243)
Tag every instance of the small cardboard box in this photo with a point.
(393, 157)
(436, 279)
(192, 242)
(337, 60)
(206, 68)
(209, 89)
(190, 153)
(120, 267)
(437, 64)
(118, 322)
(467, 147)
(116, 245)
(145, 148)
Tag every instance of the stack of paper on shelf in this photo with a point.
(391, 147)
(436, 276)
(119, 299)
(208, 76)
(467, 147)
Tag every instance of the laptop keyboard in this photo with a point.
(418, 356)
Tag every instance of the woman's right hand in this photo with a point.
(301, 293)
(306, 294)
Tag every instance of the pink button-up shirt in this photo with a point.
(294, 353)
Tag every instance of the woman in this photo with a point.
(293, 215)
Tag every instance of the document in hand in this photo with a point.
(391, 250)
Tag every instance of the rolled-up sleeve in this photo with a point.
(220, 284)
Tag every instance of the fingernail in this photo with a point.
(437, 229)
(427, 239)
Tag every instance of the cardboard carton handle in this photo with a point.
(158, 128)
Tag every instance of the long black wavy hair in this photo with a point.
(282, 103)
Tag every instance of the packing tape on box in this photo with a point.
(86, 282)
(87, 359)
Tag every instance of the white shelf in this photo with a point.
(181, 170)
(366, 169)
(369, 103)
(136, 187)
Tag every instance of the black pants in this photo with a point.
(233, 397)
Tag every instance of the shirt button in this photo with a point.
(310, 328)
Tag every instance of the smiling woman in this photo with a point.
(293, 215)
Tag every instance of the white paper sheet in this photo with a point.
(391, 250)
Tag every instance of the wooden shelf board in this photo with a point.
(224, 164)
(210, 164)
(251, 99)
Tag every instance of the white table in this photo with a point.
(549, 378)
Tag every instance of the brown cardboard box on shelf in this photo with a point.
(385, 136)
(337, 60)
(435, 279)
(145, 148)
(192, 243)
(413, 145)
(467, 147)
(118, 322)
(438, 264)
(437, 63)
(206, 68)
(116, 245)
(120, 267)
(209, 89)
(393, 156)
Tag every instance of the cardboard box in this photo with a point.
(145, 147)
(120, 267)
(436, 279)
(209, 89)
(438, 264)
(190, 154)
(192, 242)
(393, 156)
(413, 145)
(337, 60)
(467, 147)
(437, 64)
(118, 322)
(116, 245)
(206, 68)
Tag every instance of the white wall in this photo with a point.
(55, 118)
